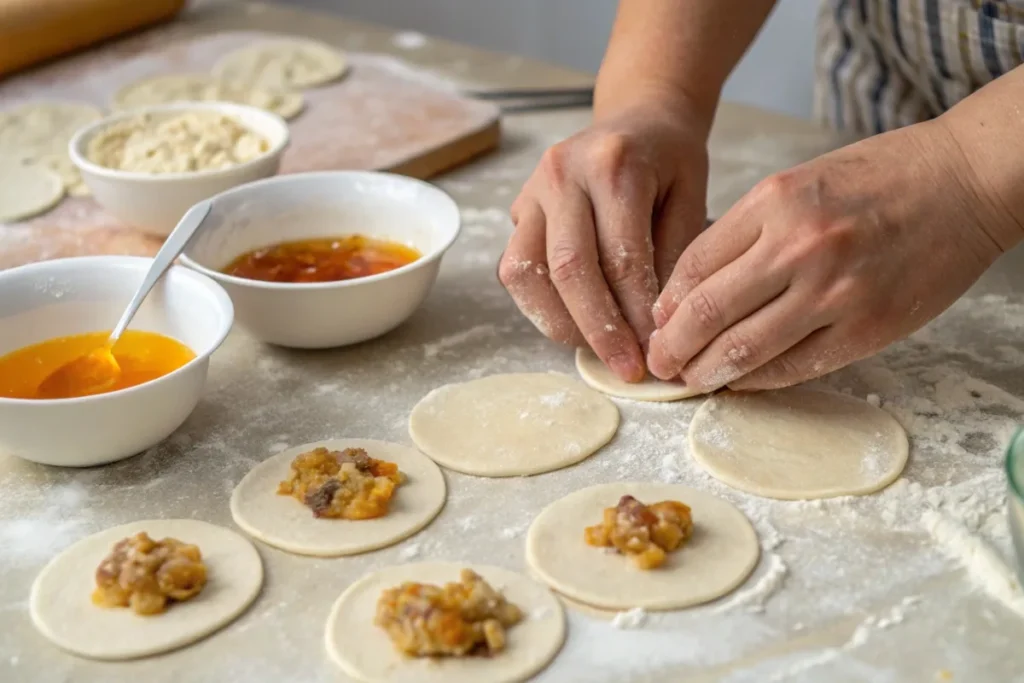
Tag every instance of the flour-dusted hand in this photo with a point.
(828, 263)
(599, 227)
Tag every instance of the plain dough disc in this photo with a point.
(282, 64)
(798, 443)
(285, 523)
(718, 557)
(63, 611)
(27, 190)
(513, 425)
(203, 88)
(596, 374)
(366, 653)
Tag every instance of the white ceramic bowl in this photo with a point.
(328, 204)
(154, 202)
(76, 295)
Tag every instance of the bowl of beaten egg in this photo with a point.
(321, 260)
(53, 311)
(148, 166)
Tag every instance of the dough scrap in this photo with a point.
(798, 443)
(38, 134)
(282, 64)
(62, 610)
(285, 523)
(513, 425)
(596, 374)
(27, 190)
(365, 652)
(720, 555)
(203, 88)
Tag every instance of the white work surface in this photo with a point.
(911, 584)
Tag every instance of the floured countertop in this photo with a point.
(912, 584)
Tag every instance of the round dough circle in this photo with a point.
(798, 443)
(285, 523)
(366, 653)
(62, 609)
(27, 190)
(39, 127)
(203, 88)
(512, 425)
(718, 557)
(282, 64)
(596, 374)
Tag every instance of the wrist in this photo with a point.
(613, 98)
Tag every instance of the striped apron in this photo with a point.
(882, 64)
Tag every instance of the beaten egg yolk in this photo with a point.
(142, 356)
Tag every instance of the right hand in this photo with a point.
(599, 227)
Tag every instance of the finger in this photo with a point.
(678, 222)
(622, 213)
(753, 343)
(713, 249)
(718, 303)
(523, 271)
(576, 273)
(824, 351)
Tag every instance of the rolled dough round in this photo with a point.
(27, 190)
(283, 64)
(596, 374)
(366, 653)
(512, 425)
(202, 88)
(798, 443)
(285, 523)
(62, 609)
(718, 557)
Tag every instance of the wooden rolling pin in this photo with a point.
(33, 31)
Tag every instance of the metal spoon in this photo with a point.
(97, 371)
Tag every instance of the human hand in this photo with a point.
(599, 227)
(826, 263)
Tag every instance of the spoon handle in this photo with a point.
(169, 252)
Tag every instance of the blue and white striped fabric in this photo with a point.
(883, 64)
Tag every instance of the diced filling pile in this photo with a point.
(346, 484)
(461, 619)
(644, 532)
(146, 575)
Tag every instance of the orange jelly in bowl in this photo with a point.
(326, 259)
(142, 357)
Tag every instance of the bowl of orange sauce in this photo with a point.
(328, 259)
(55, 311)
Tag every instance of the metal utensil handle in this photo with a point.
(172, 248)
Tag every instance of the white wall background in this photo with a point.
(776, 73)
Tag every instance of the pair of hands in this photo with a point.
(814, 268)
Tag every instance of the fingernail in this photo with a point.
(626, 367)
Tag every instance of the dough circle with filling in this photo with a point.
(282, 64)
(596, 374)
(798, 443)
(285, 523)
(62, 609)
(718, 557)
(27, 190)
(365, 652)
(513, 425)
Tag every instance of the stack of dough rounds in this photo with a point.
(201, 88)
(365, 652)
(720, 555)
(61, 608)
(285, 523)
(798, 443)
(595, 373)
(282, 64)
(513, 425)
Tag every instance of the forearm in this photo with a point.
(677, 51)
(988, 128)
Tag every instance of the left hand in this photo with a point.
(825, 264)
